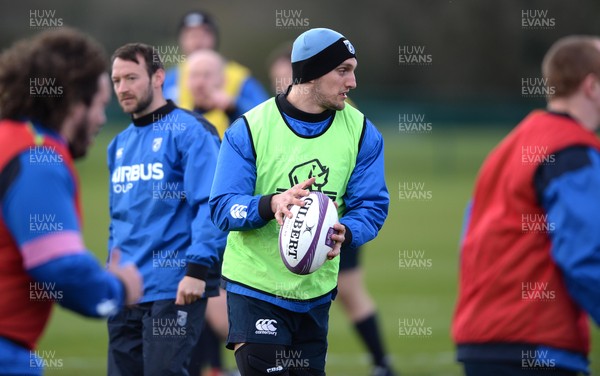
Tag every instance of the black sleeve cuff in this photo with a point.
(264, 207)
(196, 271)
(348, 236)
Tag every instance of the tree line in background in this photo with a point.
(434, 49)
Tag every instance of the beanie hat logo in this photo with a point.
(317, 52)
(349, 46)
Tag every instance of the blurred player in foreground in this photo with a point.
(199, 31)
(206, 84)
(54, 88)
(161, 167)
(530, 258)
(279, 320)
(352, 293)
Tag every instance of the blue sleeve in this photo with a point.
(251, 94)
(82, 284)
(40, 201)
(367, 198)
(199, 149)
(233, 204)
(40, 214)
(568, 191)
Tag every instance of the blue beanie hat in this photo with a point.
(317, 52)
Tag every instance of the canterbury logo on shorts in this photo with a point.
(266, 326)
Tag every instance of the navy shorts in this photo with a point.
(349, 258)
(255, 321)
(154, 338)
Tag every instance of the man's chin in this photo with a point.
(128, 108)
(78, 152)
(337, 106)
(203, 106)
(80, 149)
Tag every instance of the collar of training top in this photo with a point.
(563, 114)
(154, 116)
(287, 108)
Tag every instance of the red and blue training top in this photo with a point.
(530, 257)
(42, 256)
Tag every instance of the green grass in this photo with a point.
(445, 161)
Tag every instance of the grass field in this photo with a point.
(442, 163)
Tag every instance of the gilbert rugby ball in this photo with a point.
(305, 239)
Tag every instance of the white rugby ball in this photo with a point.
(305, 239)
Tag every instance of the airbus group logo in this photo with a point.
(238, 211)
(123, 177)
(266, 326)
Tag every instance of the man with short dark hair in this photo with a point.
(54, 88)
(161, 168)
(530, 259)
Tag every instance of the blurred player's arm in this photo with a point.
(568, 191)
(251, 95)
(367, 198)
(233, 205)
(39, 211)
(170, 88)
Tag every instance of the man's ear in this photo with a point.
(158, 78)
(590, 86)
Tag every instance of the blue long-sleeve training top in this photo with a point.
(161, 169)
(366, 198)
(569, 190)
